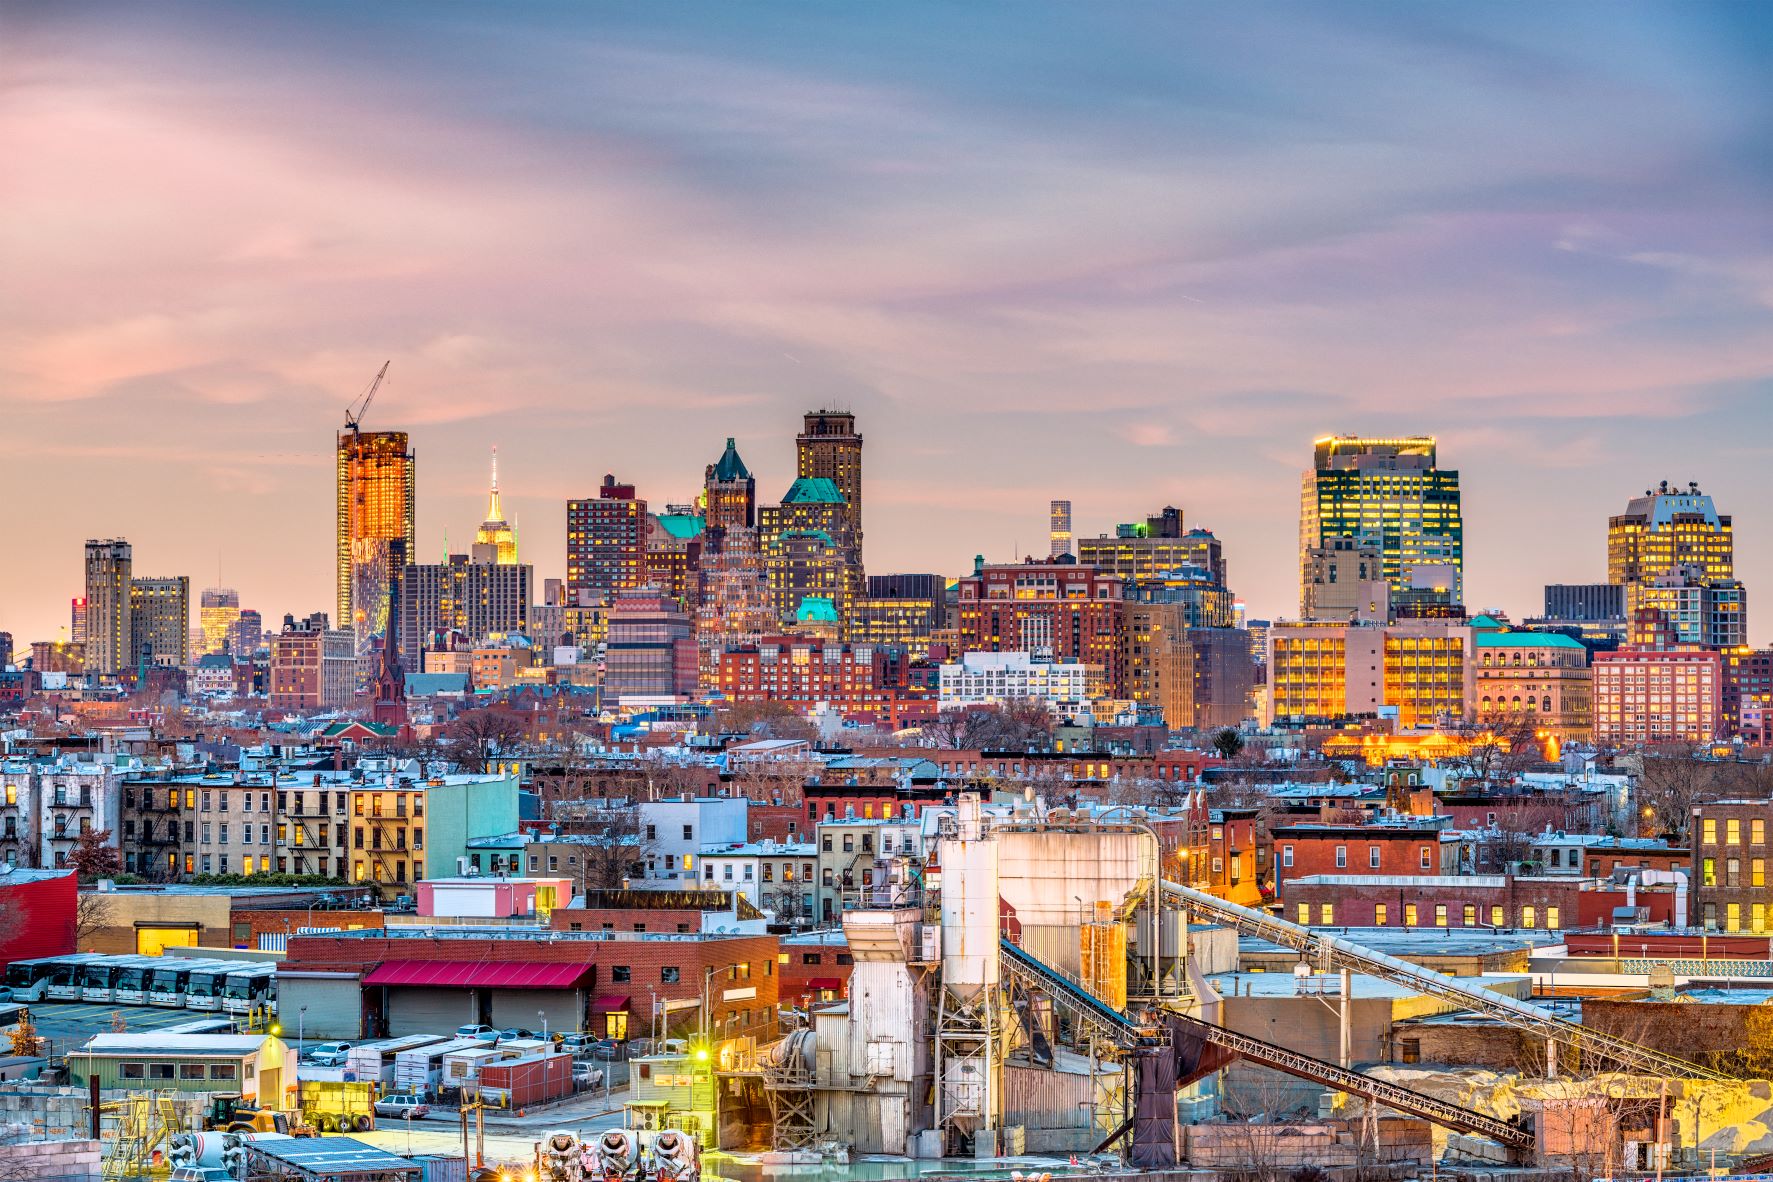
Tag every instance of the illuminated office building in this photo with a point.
(480, 600)
(160, 622)
(1062, 611)
(1677, 534)
(1419, 669)
(674, 543)
(828, 448)
(1058, 529)
(495, 541)
(1712, 613)
(606, 541)
(808, 548)
(1389, 496)
(1343, 580)
(729, 492)
(376, 532)
(218, 609)
(108, 567)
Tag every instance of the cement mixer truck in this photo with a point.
(675, 1157)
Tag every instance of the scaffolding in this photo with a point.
(146, 1122)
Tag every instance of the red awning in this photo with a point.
(609, 1003)
(825, 983)
(458, 975)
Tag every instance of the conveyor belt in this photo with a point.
(1336, 952)
(1106, 1020)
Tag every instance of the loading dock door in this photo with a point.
(421, 1010)
(518, 1007)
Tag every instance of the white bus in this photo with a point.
(99, 979)
(203, 982)
(249, 987)
(131, 985)
(170, 981)
(68, 976)
(27, 979)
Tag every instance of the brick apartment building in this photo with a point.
(1408, 847)
(1729, 866)
(1546, 902)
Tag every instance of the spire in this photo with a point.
(493, 512)
(730, 467)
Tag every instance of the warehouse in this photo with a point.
(251, 1064)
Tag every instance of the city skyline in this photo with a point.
(1155, 284)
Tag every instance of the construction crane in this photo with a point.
(355, 412)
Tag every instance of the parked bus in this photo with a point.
(99, 978)
(27, 979)
(131, 985)
(201, 988)
(170, 981)
(68, 976)
(249, 987)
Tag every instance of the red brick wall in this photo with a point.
(1354, 905)
(645, 960)
(797, 976)
(1314, 851)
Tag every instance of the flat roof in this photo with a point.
(1420, 941)
(174, 1044)
(1243, 984)
(334, 1157)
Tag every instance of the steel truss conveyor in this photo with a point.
(1330, 951)
(1132, 1036)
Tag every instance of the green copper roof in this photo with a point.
(1525, 639)
(814, 490)
(730, 467)
(1485, 622)
(682, 525)
(816, 609)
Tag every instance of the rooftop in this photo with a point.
(175, 1044)
(812, 490)
(1525, 640)
(1408, 942)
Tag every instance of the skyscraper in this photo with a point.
(1674, 538)
(729, 491)
(376, 531)
(219, 608)
(108, 567)
(495, 541)
(809, 549)
(160, 622)
(1389, 495)
(478, 599)
(606, 541)
(828, 448)
(1058, 529)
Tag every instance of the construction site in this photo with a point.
(1037, 987)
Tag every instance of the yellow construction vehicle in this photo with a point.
(231, 1113)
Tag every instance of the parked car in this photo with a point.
(607, 1049)
(329, 1054)
(513, 1032)
(473, 1031)
(402, 1107)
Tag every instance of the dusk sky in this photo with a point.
(1125, 254)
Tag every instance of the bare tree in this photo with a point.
(92, 914)
(767, 720)
(615, 849)
(1671, 784)
(1016, 725)
(1499, 745)
(477, 736)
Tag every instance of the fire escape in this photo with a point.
(308, 833)
(15, 824)
(387, 850)
(157, 834)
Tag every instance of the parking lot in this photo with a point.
(69, 1024)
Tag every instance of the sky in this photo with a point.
(1126, 254)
